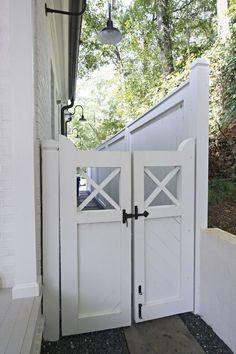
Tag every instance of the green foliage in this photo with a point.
(222, 60)
(93, 133)
(139, 62)
(221, 190)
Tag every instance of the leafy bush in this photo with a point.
(222, 190)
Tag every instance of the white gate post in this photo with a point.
(50, 197)
(197, 113)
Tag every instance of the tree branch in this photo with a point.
(183, 7)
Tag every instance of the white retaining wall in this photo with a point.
(218, 283)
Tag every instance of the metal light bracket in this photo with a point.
(68, 13)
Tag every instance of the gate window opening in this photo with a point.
(160, 185)
(98, 188)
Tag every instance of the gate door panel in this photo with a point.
(164, 239)
(95, 244)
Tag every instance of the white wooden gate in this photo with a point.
(164, 241)
(96, 244)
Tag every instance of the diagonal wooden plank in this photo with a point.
(99, 189)
(161, 186)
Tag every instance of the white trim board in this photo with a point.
(27, 290)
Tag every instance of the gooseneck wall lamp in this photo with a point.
(82, 119)
(77, 133)
(68, 116)
(109, 34)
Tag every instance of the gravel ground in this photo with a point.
(114, 342)
(104, 342)
(204, 334)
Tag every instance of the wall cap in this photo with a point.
(220, 234)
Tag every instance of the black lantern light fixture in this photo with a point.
(68, 117)
(110, 34)
(77, 133)
(82, 119)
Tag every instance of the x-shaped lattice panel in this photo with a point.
(161, 186)
(99, 189)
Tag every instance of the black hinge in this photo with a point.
(140, 290)
(140, 311)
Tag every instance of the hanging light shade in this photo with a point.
(82, 119)
(109, 34)
(77, 133)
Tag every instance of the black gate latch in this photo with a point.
(136, 215)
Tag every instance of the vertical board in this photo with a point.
(95, 245)
(164, 241)
(51, 276)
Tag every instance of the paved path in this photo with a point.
(164, 336)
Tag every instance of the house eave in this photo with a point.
(75, 24)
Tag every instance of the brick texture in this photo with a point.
(42, 105)
(43, 126)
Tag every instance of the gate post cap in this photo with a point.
(199, 62)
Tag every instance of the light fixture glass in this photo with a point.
(77, 133)
(68, 116)
(109, 34)
(82, 119)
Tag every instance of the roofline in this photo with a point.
(75, 24)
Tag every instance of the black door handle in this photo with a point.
(136, 213)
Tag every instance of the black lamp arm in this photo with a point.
(109, 12)
(49, 10)
(78, 105)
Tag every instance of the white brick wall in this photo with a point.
(42, 103)
(43, 64)
(42, 73)
(6, 171)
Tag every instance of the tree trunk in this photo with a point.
(164, 34)
(188, 35)
(223, 20)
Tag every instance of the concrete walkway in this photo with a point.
(164, 336)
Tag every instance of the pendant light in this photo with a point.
(109, 34)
